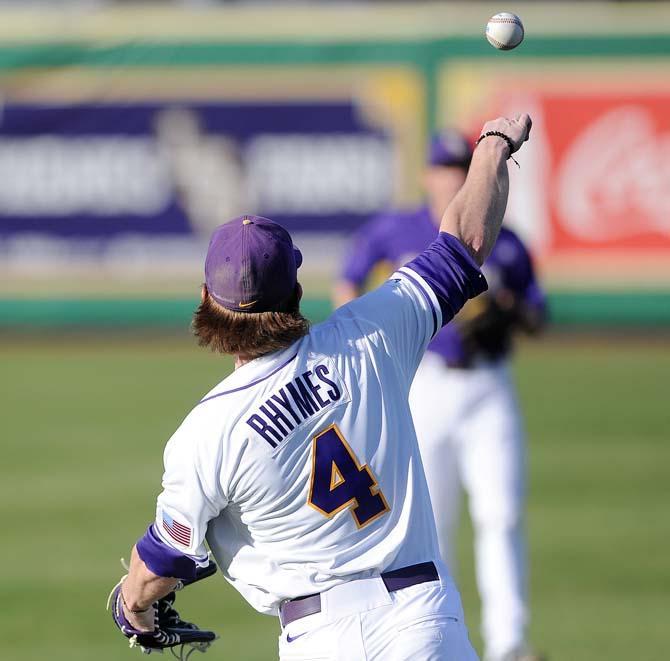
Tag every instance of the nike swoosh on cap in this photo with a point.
(247, 305)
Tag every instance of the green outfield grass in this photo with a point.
(85, 421)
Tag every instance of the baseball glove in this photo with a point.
(487, 328)
(170, 631)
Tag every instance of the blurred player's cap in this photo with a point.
(449, 148)
(251, 264)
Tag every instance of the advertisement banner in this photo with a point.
(164, 156)
(610, 174)
(100, 171)
(593, 192)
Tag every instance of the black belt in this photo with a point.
(397, 579)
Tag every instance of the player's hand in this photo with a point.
(161, 627)
(141, 621)
(517, 129)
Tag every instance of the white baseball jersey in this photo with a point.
(301, 469)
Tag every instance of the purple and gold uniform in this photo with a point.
(472, 438)
(301, 469)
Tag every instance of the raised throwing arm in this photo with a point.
(476, 213)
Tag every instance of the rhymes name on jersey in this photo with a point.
(296, 401)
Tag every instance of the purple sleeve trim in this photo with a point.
(162, 559)
(450, 272)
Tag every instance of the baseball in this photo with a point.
(504, 31)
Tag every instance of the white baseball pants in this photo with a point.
(471, 435)
(362, 621)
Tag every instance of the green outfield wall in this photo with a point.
(568, 309)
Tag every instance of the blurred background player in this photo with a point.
(474, 437)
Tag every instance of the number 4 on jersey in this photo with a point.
(339, 481)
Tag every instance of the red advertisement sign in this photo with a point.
(609, 167)
(592, 196)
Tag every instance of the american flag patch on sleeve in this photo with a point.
(178, 531)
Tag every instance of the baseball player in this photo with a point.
(463, 400)
(301, 470)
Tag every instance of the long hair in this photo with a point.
(249, 334)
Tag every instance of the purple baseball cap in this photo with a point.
(450, 148)
(251, 264)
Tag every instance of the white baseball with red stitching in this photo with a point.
(504, 31)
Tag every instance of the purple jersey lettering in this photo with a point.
(280, 413)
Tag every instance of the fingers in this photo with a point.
(516, 129)
(519, 128)
(525, 122)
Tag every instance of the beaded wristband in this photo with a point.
(506, 138)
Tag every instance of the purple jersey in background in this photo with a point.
(396, 237)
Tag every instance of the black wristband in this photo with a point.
(506, 138)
